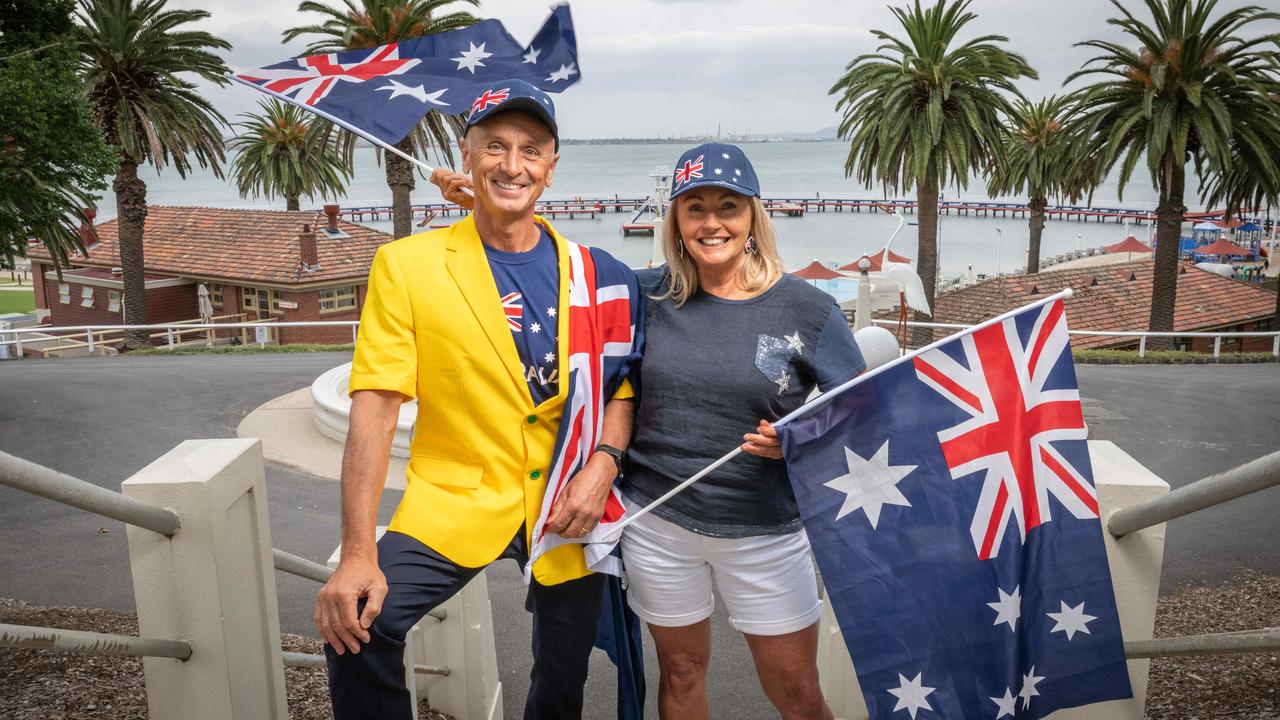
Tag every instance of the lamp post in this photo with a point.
(862, 308)
(999, 238)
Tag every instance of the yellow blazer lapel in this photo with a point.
(469, 268)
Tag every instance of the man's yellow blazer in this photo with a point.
(433, 328)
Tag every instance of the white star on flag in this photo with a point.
(718, 171)
(417, 92)
(535, 328)
(737, 171)
(563, 73)
(911, 695)
(551, 312)
(1007, 705)
(549, 357)
(870, 484)
(724, 155)
(1028, 690)
(1008, 608)
(473, 58)
(1071, 620)
(531, 56)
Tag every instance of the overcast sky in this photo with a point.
(679, 67)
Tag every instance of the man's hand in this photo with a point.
(451, 185)
(578, 509)
(335, 615)
(763, 442)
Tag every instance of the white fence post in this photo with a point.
(212, 584)
(1134, 559)
(1142, 347)
(1217, 346)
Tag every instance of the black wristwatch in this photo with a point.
(612, 452)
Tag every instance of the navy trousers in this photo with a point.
(370, 685)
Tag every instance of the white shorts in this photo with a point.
(767, 582)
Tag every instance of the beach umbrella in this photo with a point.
(877, 261)
(1221, 247)
(817, 271)
(1206, 225)
(1130, 244)
(206, 305)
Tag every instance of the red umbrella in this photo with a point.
(817, 271)
(1130, 244)
(876, 261)
(1221, 247)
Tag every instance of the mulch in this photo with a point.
(44, 685)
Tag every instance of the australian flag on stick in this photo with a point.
(382, 93)
(950, 503)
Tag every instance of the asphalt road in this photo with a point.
(103, 419)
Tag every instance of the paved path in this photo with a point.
(102, 419)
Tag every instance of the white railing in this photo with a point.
(1142, 335)
(173, 332)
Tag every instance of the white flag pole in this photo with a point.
(823, 399)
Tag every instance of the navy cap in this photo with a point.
(514, 95)
(715, 164)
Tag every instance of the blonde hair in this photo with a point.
(761, 270)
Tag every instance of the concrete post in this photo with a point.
(212, 584)
(1135, 562)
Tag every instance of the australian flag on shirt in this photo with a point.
(950, 504)
(529, 289)
(384, 92)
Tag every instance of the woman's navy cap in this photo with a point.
(715, 164)
(514, 95)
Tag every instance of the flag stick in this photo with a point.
(823, 399)
(385, 146)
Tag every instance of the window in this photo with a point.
(215, 295)
(257, 299)
(86, 297)
(113, 301)
(338, 298)
(64, 293)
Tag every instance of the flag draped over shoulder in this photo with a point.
(382, 93)
(606, 337)
(951, 507)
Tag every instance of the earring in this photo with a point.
(750, 245)
(680, 243)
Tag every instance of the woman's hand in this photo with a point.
(451, 185)
(763, 442)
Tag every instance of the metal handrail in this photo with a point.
(302, 567)
(293, 659)
(1243, 641)
(90, 643)
(1100, 333)
(1218, 488)
(39, 480)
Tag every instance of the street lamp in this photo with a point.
(999, 237)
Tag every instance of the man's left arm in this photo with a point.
(580, 506)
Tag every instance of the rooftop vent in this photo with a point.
(331, 228)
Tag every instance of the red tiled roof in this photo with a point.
(1112, 297)
(238, 245)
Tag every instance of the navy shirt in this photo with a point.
(712, 370)
(529, 289)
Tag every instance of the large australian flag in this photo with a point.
(381, 93)
(952, 511)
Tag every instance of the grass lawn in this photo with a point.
(17, 302)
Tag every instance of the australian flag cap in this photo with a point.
(514, 95)
(715, 164)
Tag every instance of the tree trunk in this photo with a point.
(291, 202)
(131, 209)
(1036, 223)
(927, 263)
(1164, 283)
(400, 180)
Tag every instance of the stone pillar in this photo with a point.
(1135, 561)
(212, 584)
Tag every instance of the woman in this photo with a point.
(732, 342)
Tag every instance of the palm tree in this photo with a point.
(284, 151)
(132, 55)
(1036, 158)
(1180, 95)
(926, 111)
(360, 24)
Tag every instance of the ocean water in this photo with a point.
(785, 169)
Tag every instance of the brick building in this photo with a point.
(262, 264)
(1118, 297)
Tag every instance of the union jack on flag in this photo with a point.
(514, 311)
(383, 92)
(907, 481)
(691, 169)
(605, 340)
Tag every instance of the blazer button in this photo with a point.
(531, 419)
(535, 475)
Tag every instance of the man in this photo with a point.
(474, 321)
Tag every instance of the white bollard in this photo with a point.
(212, 584)
(462, 642)
(1135, 562)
